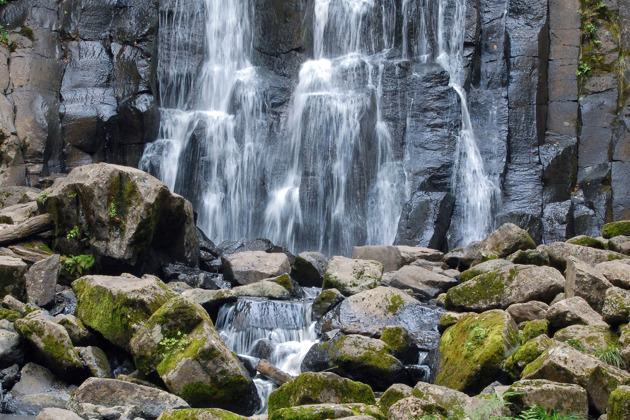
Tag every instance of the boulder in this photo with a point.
(351, 276)
(425, 284)
(252, 266)
(559, 252)
(117, 307)
(507, 285)
(200, 414)
(9, 376)
(528, 311)
(316, 388)
(616, 309)
(571, 311)
(410, 408)
(96, 361)
(37, 389)
(586, 282)
(77, 331)
(530, 257)
(482, 268)
(328, 411)
(619, 404)
(561, 398)
(401, 344)
(526, 354)
(13, 277)
(617, 272)
(409, 254)
(473, 350)
(360, 358)
(309, 268)
(325, 301)
(613, 229)
(11, 348)
(533, 329)
(180, 343)
(620, 244)
(13, 304)
(392, 395)
(451, 318)
(52, 344)
(584, 240)
(41, 280)
(389, 256)
(369, 312)
(563, 363)
(125, 217)
(589, 339)
(56, 414)
(114, 398)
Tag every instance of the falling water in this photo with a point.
(286, 327)
(343, 187)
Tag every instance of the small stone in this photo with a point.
(41, 280)
(528, 311)
(96, 360)
(325, 301)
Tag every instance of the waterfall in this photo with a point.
(343, 187)
(284, 328)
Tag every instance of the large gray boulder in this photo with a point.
(125, 217)
(425, 284)
(363, 359)
(389, 256)
(563, 363)
(369, 312)
(111, 398)
(252, 266)
(572, 311)
(41, 280)
(586, 282)
(507, 285)
(351, 276)
(117, 307)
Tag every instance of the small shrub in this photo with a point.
(77, 265)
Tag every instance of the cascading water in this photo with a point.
(343, 188)
(280, 331)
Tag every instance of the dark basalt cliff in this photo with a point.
(547, 86)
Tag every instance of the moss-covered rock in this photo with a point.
(392, 395)
(401, 344)
(473, 350)
(587, 241)
(200, 414)
(309, 268)
(567, 399)
(351, 276)
(325, 301)
(530, 257)
(613, 229)
(117, 307)
(526, 354)
(327, 411)
(485, 267)
(318, 388)
(533, 329)
(560, 251)
(616, 309)
(9, 315)
(563, 363)
(52, 343)
(125, 217)
(180, 343)
(589, 339)
(619, 404)
(505, 286)
(451, 318)
(364, 359)
(77, 331)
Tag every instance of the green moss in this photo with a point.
(535, 364)
(27, 32)
(587, 241)
(9, 315)
(170, 360)
(526, 354)
(365, 358)
(228, 390)
(396, 338)
(611, 230)
(619, 404)
(486, 287)
(284, 281)
(533, 329)
(472, 351)
(612, 257)
(395, 302)
(309, 388)
(469, 274)
(197, 413)
(391, 396)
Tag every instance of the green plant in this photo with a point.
(177, 343)
(42, 197)
(73, 234)
(112, 211)
(4, 36)
(478, 335)
(78, 264)
(583, 70)
(537, 412)
(575, 344)
(611, 356)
